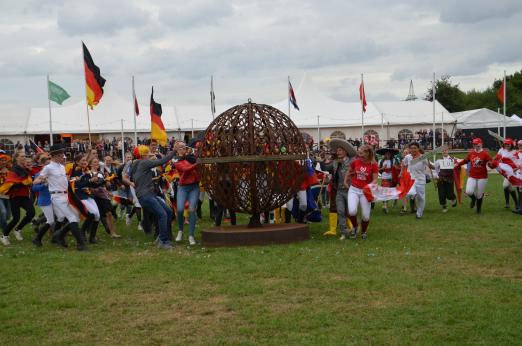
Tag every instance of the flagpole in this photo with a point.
(288, 96)
(505, 89)
(498, 121)
(122, 144)
(382, 128)
(192, 120)
(362, 109)
(442, 131)
(318, 133)
(86, 98)
(134, 112)
(434, 95)
(50, 115)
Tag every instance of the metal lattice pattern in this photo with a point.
(252, 158)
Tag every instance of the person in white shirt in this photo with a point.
(57, 182)
(445, 179)
(417, 167)
(508, 155)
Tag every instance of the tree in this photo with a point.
(449, 95)
(455, 100)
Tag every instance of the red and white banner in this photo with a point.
(514, 176)
(377, 193)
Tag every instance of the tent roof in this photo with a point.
(482, 118)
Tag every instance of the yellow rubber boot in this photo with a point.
(349, 224)
(332, 225)
(277, 216)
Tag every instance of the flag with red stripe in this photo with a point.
(362, 97)
(377, 193)
(93, 79)
(500, 93)
(157, 131)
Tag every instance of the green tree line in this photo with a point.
(454, 99)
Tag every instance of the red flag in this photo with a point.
(362, 97)
(136, 108)
(35, 147)
(500, 93)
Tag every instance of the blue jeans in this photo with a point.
(5, 212)
(161, 210)
(190, 193)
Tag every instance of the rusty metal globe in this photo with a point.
(252, 159)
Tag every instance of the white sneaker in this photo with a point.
(18, 234)
(180, 236)
(5, 240)
(343, 237)
(192, 241)
(140, 227)
(127, 219)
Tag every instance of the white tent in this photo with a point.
(482, 118)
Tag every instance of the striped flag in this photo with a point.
(291, 95)
(157, 131)
(35, 147)
(93, 79)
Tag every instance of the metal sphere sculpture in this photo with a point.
(252, 159)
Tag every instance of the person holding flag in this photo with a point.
(507, 154)
(17, 186)
(58, 185)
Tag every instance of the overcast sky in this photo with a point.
(252, 46)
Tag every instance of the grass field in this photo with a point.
(448, 278)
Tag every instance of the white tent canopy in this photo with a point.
(482, 118)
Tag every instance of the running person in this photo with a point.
(478, 173)
(363, 171)
(507, 155)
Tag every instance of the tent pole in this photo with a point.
(434, 93)
(122, 144)
(318, 134)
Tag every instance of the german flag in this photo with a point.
(93, 79)
(157, 131)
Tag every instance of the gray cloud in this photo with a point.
(251, 46)
(99, 17)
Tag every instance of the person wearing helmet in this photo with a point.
(506, 154)
(479, 159)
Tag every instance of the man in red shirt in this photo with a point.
(363, 171)
(479, 159)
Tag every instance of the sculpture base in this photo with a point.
(244, 236)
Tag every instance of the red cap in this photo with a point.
(508, 141)
(477, 141)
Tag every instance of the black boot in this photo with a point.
(473, 200)
(92, 232)
(59, 235)
(37, 241)
(515, 198)
(412, 206)
(479, 205)
(80, 242)
(506, 197)
(198, 210)
(300, 216)
(288, 216)
(87, 224)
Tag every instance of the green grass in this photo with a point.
(448, 278)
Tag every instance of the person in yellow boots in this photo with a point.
(342, 154)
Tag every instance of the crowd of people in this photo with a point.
(159, 189)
